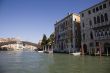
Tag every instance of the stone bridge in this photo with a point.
(8, 41)
(29, 43)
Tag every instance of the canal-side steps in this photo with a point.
(42, 51)
(48, 51)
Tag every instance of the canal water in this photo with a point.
(33, 62)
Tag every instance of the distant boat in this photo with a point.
(76, 53)
(40, 51)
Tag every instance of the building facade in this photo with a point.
(67, 34)
(95, 28)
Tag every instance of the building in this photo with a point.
(67, 34)
(95, 28)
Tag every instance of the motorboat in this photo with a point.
(76, 53)
(40, 51)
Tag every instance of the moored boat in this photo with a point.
(40, 51)
(76, 53)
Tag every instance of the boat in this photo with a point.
(40, 51)
(76, 53)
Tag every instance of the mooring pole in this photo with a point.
(107, 51)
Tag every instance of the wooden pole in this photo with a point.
(107, 51)
(82, 50)
(100, 52)
(95, 52)
(100, 49)
(69, 48)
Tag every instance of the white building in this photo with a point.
(95, 28)
(67, 34)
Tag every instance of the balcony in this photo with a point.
(101, 25)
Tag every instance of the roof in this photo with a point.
(94, 5)
(67, 17)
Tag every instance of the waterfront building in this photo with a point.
(95, 28)
(67, 34)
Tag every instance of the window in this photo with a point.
(83, 25)
(71, 45)
(106, 33)
(102, 18)
(83, 36)
(93, 10)
(97, 43)
(66, 23)
(98, 19)
(71, 20)
(100, 7)
(98, 34)
(90, 22)
(109, 3)
(102, 34)
(82, 14)
(91, 35)
(97, 9)
(75, 19)
(91, 44)
(109, 32)
(94, 20)
(106, 17)
(104, 5)
(89, 12)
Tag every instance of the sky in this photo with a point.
(30, 19)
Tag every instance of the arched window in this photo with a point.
(97, 43)
(91, 35)
(96, 34)
(94, 20)
(83, 24)
(104, 5)
(82, 14)
(109, 3)
(98, 19)
(102, 33)
(109, 33)
(106, 33)
(83, 36)
(90, 22)
(75, 19)
(102, 18)
(106, 17)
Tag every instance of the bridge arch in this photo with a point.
(17, 42)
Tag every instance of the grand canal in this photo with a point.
(33, 62)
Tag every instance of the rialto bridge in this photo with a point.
(16, 44)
